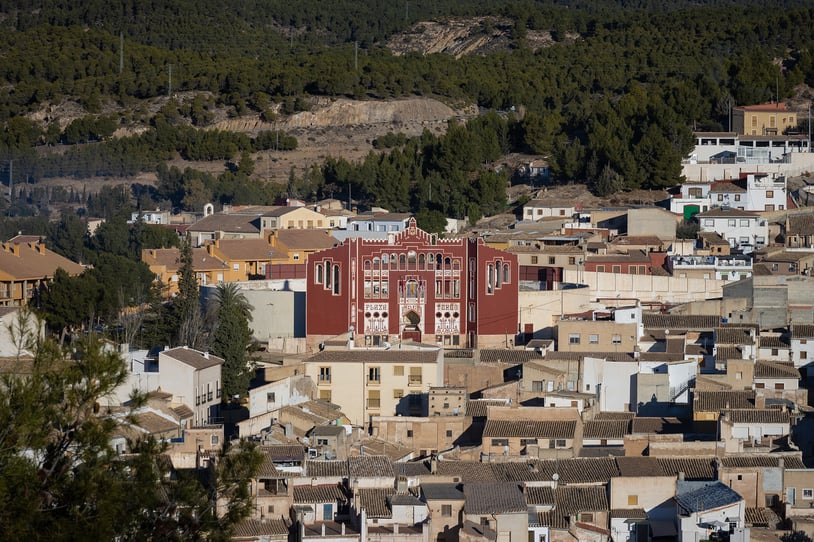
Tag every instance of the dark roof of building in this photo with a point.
(319, 494)
(493, 498)
(773, 341)
(533, 470)
(640, 466)
(605, 429)
(284, 452)
(614, 416)
(327, 431)
(769, 369)
(232, 223)
(762, 460)
(375, 501)
(468, 471)
(255, 528)
(572, 500)
(717, 400)
(802, 331)
(193, 358)
(552, 519)
(556, 429)
(694, 468)
(369, 466)
(442, 492)
(755, 415)
(404, 499)
(656, 425)
(761, 517)
(680, 321)
(723, 353)
(375, 356)
(800, 224)
(509, 356)
(628, 513)
(585, 470)
(539, 495)
(330, 469)
(734, 335)
(412, 468)
(699, 496)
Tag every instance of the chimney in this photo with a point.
(681, 475)
(210, 249)
(206, 355)
(781, 462)
(323, 529)
(15, 249)
(40, 247)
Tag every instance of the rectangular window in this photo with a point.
(616, 269)
(271, 397)
(324, 374)
(398, 394)
(500, 442)
(398, 370)
(709, 222)
(374, 375)
(572, 260)
(803, 354)
(593, 339)
(551, 260)
(446, 510)
(732, 222)
(737, 197)
(490, 278)
(600, 268)
(560, 443)
(528, 441)
(632, 500)
(538, 385)
(769, 193)
(779, 386)
(409, 433)
(534, 260)
(415, 376)
(744, 223)
(808, 493)
(586, 517)
(325, 395)
(573, 338)
(373, 399)
(449, 433)
(616, 339)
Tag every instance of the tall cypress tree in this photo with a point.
(187, 306)
(231, 338)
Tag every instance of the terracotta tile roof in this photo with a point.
(332, 469)
(626, 240)
(493, 498)
(585, 470)
(533, 470)
(477, 407)
(248, 249)
(605, 429)
(319, 494)
(375, 356)
(152, 423)
(614, 416)
(800, 224)
(802, 331)
(768, 369)
(256, 528)
(232, 223)
(773, 341)
(572, 500)
(295, 239)
(374, 502)
(734, 335)
(724, 187)
(762, 517)
(183, 412)
(639, 466)
(629, 513)
(762, 415)
(193, 358)
(680, 321)
(552, 519)
(656, 425)
(578, 356)
(268, 470)
(284, 452)
(556, 429)
(404, 499)
(694, 468)
(723, 353)
(468, 471)
(762, 460)
(539, 496)
(509, 356)
(368, 466)
(715, 401)
(590, 527)
(32, 262)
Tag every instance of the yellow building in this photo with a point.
(379, 382)
(209, 269)
(578, 335)
(25, 265)
(287, 218)
(248, 258)
(763, 119)
(298, 244)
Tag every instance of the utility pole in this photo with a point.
(121, 52)
(169, 83)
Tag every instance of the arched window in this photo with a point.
(499, 275)
(506, 274)
(422, 260)
(402, 261)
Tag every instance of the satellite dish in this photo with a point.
(555, 476)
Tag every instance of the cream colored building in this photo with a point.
(576, 335)
(288, 218)
(377, 382)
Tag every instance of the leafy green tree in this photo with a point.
(60, 476)
(231, 337)
(187, 304)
